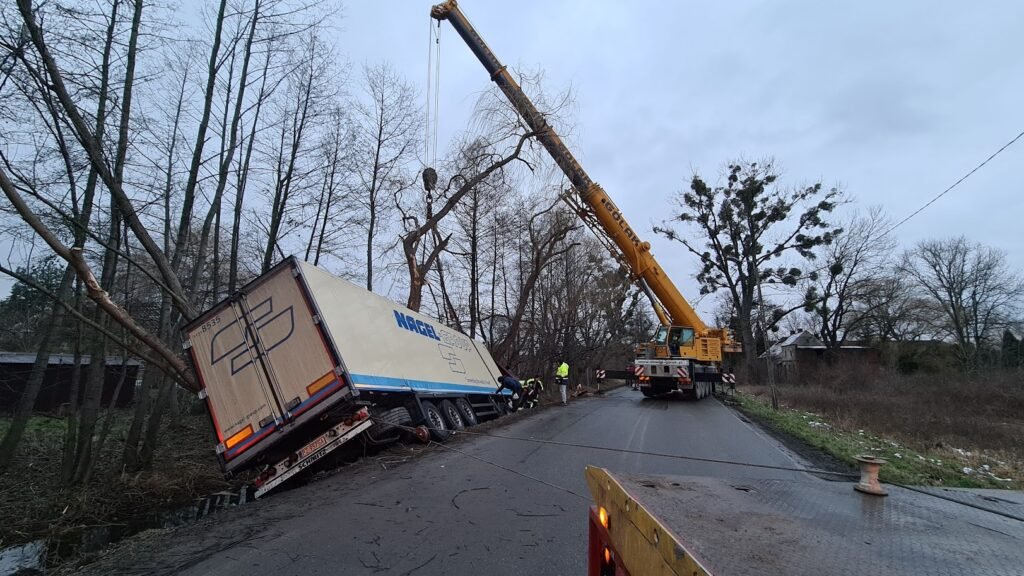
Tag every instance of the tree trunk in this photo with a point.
(67, 466)
(149, 444)
(108, 420)
(242, 180)
(330, 183)
(150, 380)
(200, 142)
(474, 266)
(90, 407)
(370, 229)
(228, 153)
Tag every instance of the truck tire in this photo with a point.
(466, 409)
(452, 416)
(435, 421)
(383, 430)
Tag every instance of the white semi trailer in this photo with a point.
(293, 365)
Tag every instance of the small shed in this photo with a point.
(16, 368)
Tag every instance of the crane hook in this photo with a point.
(429, 179)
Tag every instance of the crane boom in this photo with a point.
(593, 203)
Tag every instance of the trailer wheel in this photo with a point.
(466, 409)
(435, 421)
(452, 416)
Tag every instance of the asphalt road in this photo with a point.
(446, 512)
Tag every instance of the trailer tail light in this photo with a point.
(238, 437)
(608, 567)
(265, 475)
(602, 516)
(359, 416)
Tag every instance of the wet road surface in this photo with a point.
(448, 512)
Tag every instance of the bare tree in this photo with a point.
(92, 145)
(837, 296)
(308, 90)
(487, 161)
(972, 286)
(892, 310)
(334, 217)
(82, 213)
(547, 231)
(387, 127)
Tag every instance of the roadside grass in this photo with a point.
(906, 464)
(34, 504)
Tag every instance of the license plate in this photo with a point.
(313, 447)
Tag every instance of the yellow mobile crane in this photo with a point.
(685, 353)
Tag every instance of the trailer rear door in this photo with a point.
(263, 362)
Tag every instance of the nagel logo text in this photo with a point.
(414, 325)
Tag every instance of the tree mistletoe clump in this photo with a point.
(744, 229)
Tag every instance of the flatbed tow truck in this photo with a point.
(663, 525)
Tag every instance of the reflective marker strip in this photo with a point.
(320, 383)
(238, 437)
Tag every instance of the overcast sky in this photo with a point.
(893, 101)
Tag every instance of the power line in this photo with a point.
(662, 455)
(672, 456)
(513, 471)
(957, 183)
(608, 449)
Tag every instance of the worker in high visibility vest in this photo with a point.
(562, 377)
(532, 388)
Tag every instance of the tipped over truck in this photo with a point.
(298, 362)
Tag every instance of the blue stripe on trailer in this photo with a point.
(365, 381)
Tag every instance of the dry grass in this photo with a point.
(976, 420)
(34, 505)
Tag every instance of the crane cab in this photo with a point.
(682, 342)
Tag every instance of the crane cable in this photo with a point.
(433, 92)
(430, 60)
(437, 88)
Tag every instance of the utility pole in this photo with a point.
(767, 348)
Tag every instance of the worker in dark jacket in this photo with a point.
(507, 382)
